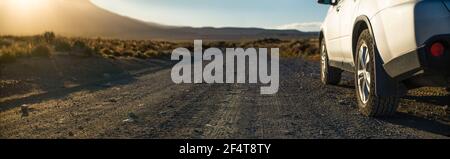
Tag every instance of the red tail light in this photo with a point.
(437, 49)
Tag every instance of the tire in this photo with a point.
(329, 75)
(369, 103)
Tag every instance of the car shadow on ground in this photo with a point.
(420, 123)
(437, 125)
(435, 100)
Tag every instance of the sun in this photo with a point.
(24, 12)
(26, 5)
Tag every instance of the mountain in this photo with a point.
(83, 18)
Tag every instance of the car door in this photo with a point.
(346, 11)
(332, 34)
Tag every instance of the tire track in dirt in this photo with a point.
(280, 114)
(186, 115)
(182, 117)
(223, 123)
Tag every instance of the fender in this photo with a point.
(385, 86)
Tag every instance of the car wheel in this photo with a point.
(368, 102)
(328, 74)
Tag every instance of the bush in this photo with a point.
(128, 53)
(153, 53)
(117, 54)
(5, 43)
(21, 51)
(41, 51)
(62, 46)
(141, 55)
(49, 37)
(80, 48)
(110, 56)
(106, 51)
(79, 45)
(312, 51)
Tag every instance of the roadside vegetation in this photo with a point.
(48, 45)
(296, 48)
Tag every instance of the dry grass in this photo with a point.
(297, 48)
(47, 44)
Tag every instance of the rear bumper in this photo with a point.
(403, 28)
(420, 68)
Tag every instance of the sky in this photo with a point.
(304, 15)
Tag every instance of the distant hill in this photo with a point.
(83, 18)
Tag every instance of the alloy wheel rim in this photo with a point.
(363, 74)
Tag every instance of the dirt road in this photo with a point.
(150, 105)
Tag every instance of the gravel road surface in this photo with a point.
(149, 105)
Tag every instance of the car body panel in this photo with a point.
(400, 28)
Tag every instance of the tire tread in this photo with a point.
(378, 106)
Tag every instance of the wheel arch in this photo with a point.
(321, 37)
(361, 23)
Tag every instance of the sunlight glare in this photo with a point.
(26, 5)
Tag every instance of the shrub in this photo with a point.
(80, 48)
(117, 54)
(41, 51)
(5, 43)
(62, 46)
(79, 45)
(128, 53)
(141, 55)
(106, 51)
(312, 51)
(153, 53)
(110, 56)
(49, 37)
(20, 51)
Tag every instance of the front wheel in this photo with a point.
(328, 74)
(368, 102)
